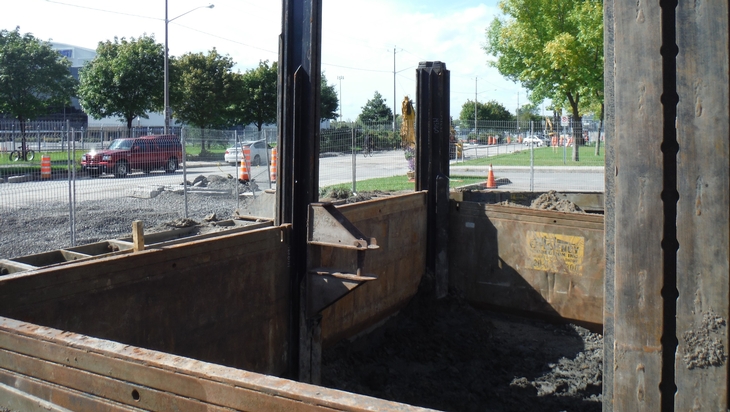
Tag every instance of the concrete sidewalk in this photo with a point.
(454, 168)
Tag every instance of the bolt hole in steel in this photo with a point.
(135, 395)
(174, 265)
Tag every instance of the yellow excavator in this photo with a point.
(408, 129)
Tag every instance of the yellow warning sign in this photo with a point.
(555, 253)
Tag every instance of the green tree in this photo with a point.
(376, 111)
(255, 95)
(555, 49)
(33, 77)
(529, 112)
(124, 79)
(204, 91)
(491, 110)
(328, 103)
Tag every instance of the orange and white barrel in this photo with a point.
(274, 168)
(45, 167)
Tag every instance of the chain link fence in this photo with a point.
(50, 188)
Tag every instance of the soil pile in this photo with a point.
(450, 356)
(551, 201)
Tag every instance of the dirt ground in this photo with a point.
(446, 355)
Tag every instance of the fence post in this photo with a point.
(354, 162)
(185, 169)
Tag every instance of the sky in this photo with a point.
(363, 42)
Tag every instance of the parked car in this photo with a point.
(146, 153)
(535, 140)
(259, 154)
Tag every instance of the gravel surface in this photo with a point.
(42, 227)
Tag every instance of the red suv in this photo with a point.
(145, 153)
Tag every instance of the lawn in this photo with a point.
(544, 156)
(394, 183)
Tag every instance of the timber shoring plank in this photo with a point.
(53, 396)
(609, 208)
(639, 208)
(702, 210)
(111, 370)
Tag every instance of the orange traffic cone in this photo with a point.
(491, 184)
(243, 175)
(274, 169)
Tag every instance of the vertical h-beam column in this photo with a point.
(298, 143)
(433, 123)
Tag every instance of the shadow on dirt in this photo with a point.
(450, 356)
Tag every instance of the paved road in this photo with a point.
(334, 169)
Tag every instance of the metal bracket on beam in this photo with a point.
(329, 227)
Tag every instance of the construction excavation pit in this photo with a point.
(502, 338)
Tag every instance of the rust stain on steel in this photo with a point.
(552, 252)
(538, 261)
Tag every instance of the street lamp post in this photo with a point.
(167, 72)
(340, 79)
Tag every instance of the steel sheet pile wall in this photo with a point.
(541, 262)
(221, 300)
(399, 225)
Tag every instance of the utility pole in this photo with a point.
(394, 101)
(340, 79)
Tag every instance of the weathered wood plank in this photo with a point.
(703, 130)
(639, 209)
(609, 209)
(65, 364)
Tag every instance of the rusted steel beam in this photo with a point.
(297, 185)
(433, 122)
(703, 165)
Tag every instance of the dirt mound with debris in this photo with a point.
(552, 201)
(445, 354)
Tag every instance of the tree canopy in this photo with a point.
(204, 85)
(376, 111)
(33, 76)
(554, 48)
(255, 95)
(328, 103)
(124, 79)
(491, 110)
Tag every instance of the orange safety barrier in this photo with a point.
(244, 175)
(45, 167)
(274, 169)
